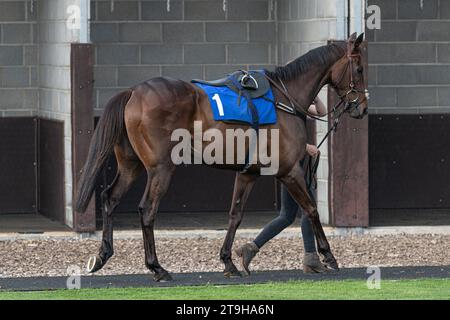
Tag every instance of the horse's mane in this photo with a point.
(324, 55)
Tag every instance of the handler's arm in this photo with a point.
(318, 108)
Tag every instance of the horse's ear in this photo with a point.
(359, 40)
(354, 42)
(351, 43)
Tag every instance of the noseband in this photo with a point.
(351, 104)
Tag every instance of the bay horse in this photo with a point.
(137, 125)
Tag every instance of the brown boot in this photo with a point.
(247, 252)
(312, 264)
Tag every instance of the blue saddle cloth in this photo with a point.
(225, 107)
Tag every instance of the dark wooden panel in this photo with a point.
(201, 188)
(348, 183)
(409, 161)
(349, 178)
(18, 177)
(51, 169)
(410, 217)
(82, 76)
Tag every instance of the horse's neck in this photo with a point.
(307, 85)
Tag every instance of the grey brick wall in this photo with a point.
(410, 57)
(302, 26)
(18, 59)
(139, 39)
(54, 77)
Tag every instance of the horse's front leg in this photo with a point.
(243, 184)
(295, 184)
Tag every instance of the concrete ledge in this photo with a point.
(214, 234)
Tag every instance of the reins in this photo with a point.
(313, 164)
(292, 108)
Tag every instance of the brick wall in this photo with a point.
(410, 57)
(18, 59)
(302, 26)
(138, 40)
(54, 78)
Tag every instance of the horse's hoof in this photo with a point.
(162, 277)
(94, 264)
(232, 274)
(331, 263)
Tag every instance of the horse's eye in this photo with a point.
(360, 69)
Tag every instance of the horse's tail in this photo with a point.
(110, 130)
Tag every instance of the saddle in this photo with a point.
(254, 83)
(250, 85)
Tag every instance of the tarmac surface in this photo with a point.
(217, 278)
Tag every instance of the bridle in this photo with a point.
(352, 88)
(296, 109)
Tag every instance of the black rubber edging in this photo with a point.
(217, 278)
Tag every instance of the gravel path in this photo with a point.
(52, 257)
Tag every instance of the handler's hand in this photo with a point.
(312, 150)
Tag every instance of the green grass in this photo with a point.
(348, 289)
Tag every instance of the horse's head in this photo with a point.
(348, 78)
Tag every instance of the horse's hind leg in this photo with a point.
(295, 184)
(158, 180)
(127, 172)
(242, 187)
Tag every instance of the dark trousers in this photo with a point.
(288, 213)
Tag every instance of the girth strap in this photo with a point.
(255, 120)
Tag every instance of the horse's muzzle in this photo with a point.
(358, 111)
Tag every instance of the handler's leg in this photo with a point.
(242, 186)
(289, 209)
(288, 212)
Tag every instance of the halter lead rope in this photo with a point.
(313, 164)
